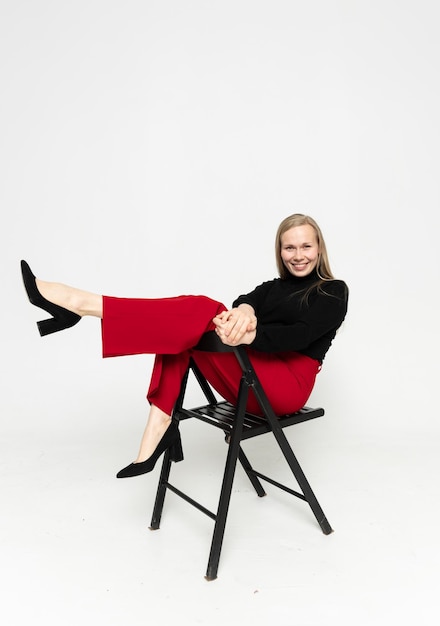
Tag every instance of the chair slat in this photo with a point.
(222, 415)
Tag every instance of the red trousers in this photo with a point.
(171, 327)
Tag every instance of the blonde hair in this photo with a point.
(298, 219)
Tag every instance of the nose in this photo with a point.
(297, 255)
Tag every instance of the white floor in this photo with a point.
(76, 548)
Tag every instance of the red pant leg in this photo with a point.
(155, 326)
(287, 379)
(167, 327)
(166, 379)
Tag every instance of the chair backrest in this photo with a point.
(210, 342)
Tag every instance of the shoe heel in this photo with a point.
(51, 325)
(176, 452)
(61, 322)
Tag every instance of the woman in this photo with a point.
(288, 324)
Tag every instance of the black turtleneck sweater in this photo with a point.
(287, 323)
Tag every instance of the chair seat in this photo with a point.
(222, 415)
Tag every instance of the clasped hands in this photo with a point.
(237, 326)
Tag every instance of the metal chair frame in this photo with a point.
(238, 425)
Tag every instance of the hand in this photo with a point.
(245, 339)
(237, 325)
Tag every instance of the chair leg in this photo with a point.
(161, 492)
(249, 471)
(291, 459)
(228, 479)
(303, 483)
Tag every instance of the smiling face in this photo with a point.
(300, 250)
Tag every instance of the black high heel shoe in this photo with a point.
(62, 318)
(170, 440)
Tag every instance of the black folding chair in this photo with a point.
(237, 425)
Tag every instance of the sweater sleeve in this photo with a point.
(322, 316)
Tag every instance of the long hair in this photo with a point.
(298, 219)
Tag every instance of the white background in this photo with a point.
(151, 148)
